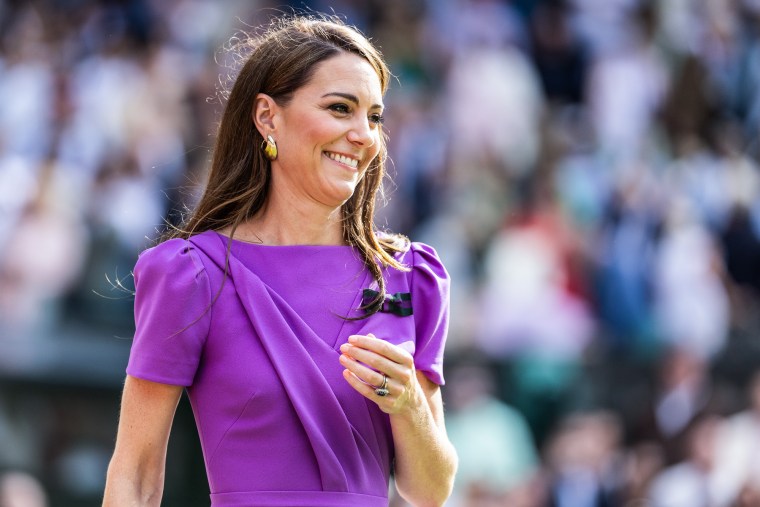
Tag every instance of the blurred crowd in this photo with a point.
(587, 170)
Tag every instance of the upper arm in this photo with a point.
(172, 314)
(147, 412)
(430, 284)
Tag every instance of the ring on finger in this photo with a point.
(383, 389)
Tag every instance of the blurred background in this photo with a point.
(587, 170)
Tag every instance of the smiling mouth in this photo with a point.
(350, 162)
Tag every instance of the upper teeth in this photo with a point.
(343, 159)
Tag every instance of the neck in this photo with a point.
(288, 220)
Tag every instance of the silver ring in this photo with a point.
(383, 389)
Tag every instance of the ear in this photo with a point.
(265, 109)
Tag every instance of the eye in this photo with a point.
(377, 118)
(340, 108)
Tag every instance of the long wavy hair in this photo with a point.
(278, 62)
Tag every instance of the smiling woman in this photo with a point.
(310, 345)
(327, 135)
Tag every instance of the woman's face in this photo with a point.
(329, 132)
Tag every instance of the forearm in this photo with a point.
(132, 488)
(136, 473)
(425, 459)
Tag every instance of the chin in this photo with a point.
(342, 193)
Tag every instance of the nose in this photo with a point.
(362, 133)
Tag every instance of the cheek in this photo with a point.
(311, 135)
(313, 138)
(377, 144)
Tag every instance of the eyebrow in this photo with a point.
(350, 97)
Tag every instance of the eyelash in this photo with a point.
(377, 119)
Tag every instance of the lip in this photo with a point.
(327, 153)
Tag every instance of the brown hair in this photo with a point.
(280, 61)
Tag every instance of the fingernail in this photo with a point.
(353, 338)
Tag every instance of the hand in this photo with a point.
(367, 358)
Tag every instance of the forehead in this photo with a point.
(346, 73)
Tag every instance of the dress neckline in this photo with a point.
(236, 241)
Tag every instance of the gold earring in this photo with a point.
(270, 148)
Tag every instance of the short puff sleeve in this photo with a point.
(430, 302)
(172, 314)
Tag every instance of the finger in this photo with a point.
(382, 347)
(359, 385)
(377, 362)
(366, 390)
(365, 374)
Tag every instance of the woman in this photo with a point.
(309, 345)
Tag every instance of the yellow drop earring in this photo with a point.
(270, 148)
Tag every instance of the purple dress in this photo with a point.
(258, 353)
